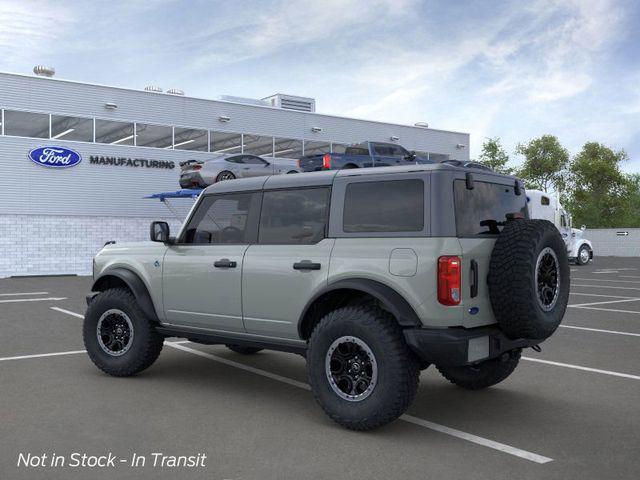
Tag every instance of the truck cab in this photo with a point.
(543, 205)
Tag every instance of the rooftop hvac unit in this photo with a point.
(153, 88)
(43, 71)
(244, 100)
(291, 102)
(175, 91)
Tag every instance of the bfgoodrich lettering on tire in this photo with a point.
(529, 279)
(119, 338)
(361, 371)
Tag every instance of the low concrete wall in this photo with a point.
(614, 242)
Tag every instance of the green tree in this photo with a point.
(545, 163)
(600, 194)
(494, 156)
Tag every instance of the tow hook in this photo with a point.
(536, 348)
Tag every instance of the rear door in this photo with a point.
(202, 273)
(480, 215)
(290, 261)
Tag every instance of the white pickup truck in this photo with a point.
(543, 205)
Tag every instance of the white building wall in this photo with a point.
(611, 242)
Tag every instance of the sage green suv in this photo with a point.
(371, 274)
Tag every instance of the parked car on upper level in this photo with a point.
(366, 154)
(198, 173)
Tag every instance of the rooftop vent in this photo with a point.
(43, 71)
(153, 88)
(422, 124)
(291, 102)
(175, 91)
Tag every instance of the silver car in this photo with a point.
(197, 173)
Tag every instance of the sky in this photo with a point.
(514, 70)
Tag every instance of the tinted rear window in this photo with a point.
(483, 210)
(389, 206)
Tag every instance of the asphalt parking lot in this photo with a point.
(571, 411)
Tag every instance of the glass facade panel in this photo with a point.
(222, 142)
(257, 145)
(72, 128)
(316, 148)
(190, 139)
(157, 136)
(115, 133)
(287, 148)
(26, 124)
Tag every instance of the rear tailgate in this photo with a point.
(321, 161)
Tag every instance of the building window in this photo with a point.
(157, 136)
(26, 124)
(294, 216)
(389, 206)
(225, 142)
(190, 139)
(287, 148)
(71, 128)
(257, 145)
(316, 148)
(115, 133)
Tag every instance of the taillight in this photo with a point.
(298, 163)
(196, 167)
(326, 161)
(449, 280)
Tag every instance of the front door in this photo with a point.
(202, 272)
(289, 263)
(254, 166)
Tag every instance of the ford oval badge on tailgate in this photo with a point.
(56, 157)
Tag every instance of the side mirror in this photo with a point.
(159, 232)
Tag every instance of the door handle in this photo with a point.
(306, 265)
(474, 279)
(224, 263)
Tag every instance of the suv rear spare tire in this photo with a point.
(529, 279)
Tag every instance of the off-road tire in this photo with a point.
(242, 349)
(483, 375)
(579, 258)
(397, 367)
(512, 287)
(146, 344)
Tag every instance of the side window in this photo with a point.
(563, 220)
(236, 159)
(296, 216)
(253, 160)
(544, 200)
(227, 218)
(388, 206)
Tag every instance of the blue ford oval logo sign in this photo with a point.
(56, 157)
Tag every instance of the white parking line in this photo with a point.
(629, 276)
(615, 332)
(606, 286)
(606, 280)
(597, 295)
(27, 293)
(609, 310)
(602, 303)
(580, 367)
(62, 310)
(534, 457)
(41, 355)
(47, 299)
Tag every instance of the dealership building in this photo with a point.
(127, 144)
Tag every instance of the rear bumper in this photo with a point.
(192, 179)
(454, 347)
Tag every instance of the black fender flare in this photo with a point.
(135, 284)
(394, 302)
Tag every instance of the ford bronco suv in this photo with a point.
(371, 274)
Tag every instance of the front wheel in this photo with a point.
(584, 255)
(483, 375)
(361, 371)
(119, 338)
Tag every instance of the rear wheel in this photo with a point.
(242, 349)
(361, 371)
(225, 175)
(119, 338)
(482, 375)
(584, 255)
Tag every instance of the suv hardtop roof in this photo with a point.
(311, 179)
